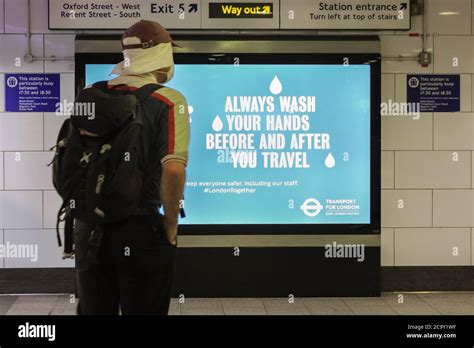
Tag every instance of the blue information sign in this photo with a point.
(435, 93)
(32, 92)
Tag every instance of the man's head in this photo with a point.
(147, 48)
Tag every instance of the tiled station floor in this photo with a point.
(455, 303)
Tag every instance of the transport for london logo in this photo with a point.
(311, 207)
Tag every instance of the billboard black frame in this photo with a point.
(372, 59)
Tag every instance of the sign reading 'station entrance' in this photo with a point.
(32, 92)
(345, 14)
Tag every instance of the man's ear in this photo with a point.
(161, 75)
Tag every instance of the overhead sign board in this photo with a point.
(345, 14)
(229, 14)
(97, 14)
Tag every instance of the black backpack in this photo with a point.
(96, 166)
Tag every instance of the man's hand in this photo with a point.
(171, 230)
(172, 186)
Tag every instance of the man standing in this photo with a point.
(134, 267)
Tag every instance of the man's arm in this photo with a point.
(172, 186)
(173, 146)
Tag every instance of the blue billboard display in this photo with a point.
(275, 144)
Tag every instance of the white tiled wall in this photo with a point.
(466, 92)
(59, 45)
(427, 198)
(388, 87)
(455, 54)
(433, 246)
(1, 170)
(13, 58)
(16, 19)
(28, 202)
(388, 170)
(387, 246)
(51, 203)
(407, 133)
(407, 208)
(2, 17)
(414, 169)
(2, 260)
(405, 46)
(453, 208)
(447, 124)
(449, 17)
(435, 190)
(52, 124)
(21, 131)
(2, 92)
(27, 171)
(17, 14)
(21, 209)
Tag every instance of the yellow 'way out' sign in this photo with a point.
(241, 10)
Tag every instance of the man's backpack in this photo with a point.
(96, 166)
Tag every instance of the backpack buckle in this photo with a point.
(95, 238)
(105, 148)
(100, 213)
(86, 158)
(62, 143)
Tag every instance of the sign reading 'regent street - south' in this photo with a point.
(345, 14)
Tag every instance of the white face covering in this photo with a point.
(169, 74)
(139, 61)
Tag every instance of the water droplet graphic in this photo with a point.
(217, 125)
(330, 162)
(190, 109)
(275, 86)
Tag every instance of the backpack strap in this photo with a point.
(68, 251)
(101, 85)
(140, 93)
(146, 90)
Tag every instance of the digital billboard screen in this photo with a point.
(275, 144)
